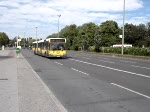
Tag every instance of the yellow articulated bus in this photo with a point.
(51, 47)
(34, 48)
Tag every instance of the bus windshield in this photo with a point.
(57, 46)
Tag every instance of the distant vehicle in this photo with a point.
(51, 47)
(120, 45)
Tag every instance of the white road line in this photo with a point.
(104, 58)
(127, 61)
(112, 68)
(107, 61)
(140, 67)
(79, 71)
(76, 54)
(85, 58)
(58, 63)
(131, 90)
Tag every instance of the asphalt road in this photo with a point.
(87, 82)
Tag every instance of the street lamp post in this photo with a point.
(123, 26)
(58, 24)
(36, 38)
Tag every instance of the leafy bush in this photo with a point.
(91, 48)
(129, 51)
(111, 50)
(75, 47)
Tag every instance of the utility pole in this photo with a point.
(36, 38)
(123, 26)
(58, 24)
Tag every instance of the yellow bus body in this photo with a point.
(45, 47)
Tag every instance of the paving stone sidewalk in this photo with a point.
(21, 89)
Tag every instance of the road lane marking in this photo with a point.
(131, 90)
(85, 58)
(112, 68)
(104, 58)
(140, 67)
(58, 63)
(79, 71)
(107, 61)
(127, 61)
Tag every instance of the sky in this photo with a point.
(21, 17)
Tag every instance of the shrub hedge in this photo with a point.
(129, 51)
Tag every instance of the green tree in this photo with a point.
(109, 32)
(130, 34)
(87, 35)
(90, 35)
(148, 28)
(135, 35)
(97, 39)
(147, 39)
(4, 40)
(70, 32)
(54, 35)
(142, 34)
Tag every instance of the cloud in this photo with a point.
(135, 20)
(24, 16)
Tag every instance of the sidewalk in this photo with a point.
(21, 89)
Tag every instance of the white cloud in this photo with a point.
(23, 16)
(135, 20)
